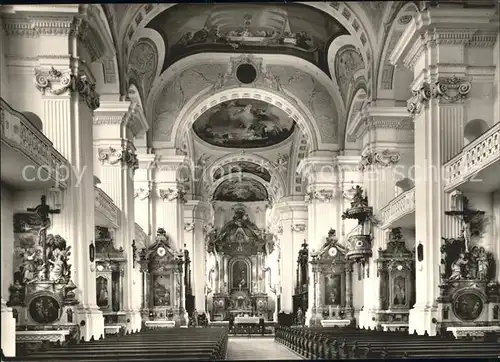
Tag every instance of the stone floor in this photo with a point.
(241, 348)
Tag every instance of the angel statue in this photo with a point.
(331, 241)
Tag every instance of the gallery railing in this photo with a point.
(398, 207)
(19, 133)
(475, 157)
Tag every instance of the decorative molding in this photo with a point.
(142, 194)
(451, 89)
(420, 99)
(48, 25)
(55, 82)
(188, 226)
(298, 227)
(140, 236)
(384, 158)
(172, 194)
(112, 156)
(322, 195)
(105, 206)
(276, 227)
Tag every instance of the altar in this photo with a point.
(238, 276)
(246, 320)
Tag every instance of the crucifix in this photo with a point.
(43, 211)
(466, 216)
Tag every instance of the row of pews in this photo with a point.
(350, 343)
(180, 344)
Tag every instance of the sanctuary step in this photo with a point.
(350, 343)
(262, 349)
(150, 345)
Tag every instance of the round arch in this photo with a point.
(473, 129)
(277, 182)
(359, 99)
(194, 108)
(267, 185)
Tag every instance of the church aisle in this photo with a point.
(240, 348)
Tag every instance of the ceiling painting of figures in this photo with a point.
(241, 189)
(244, 123)
(293, 29)
(240, 167)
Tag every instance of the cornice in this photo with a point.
(467, 27)
(370, 118)
(315, 163)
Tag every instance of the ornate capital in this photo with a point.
(420, 99)
(141, 193)
(113, 156)
(298, 227)
(188, 226)
(451, 90)
(322, 195)
(172, 194)
(54, 82)
(384, 158)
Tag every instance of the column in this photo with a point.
(291, 228)
(117, 163)
(194, 215)
(440, 105)
(323, 207)
(170, 200)
(348, 290)
(68, 98)
(143, 179)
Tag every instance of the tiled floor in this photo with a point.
(240, 348)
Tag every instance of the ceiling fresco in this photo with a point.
(244, 123)
(292, 29)
(242, 167)
(241, 189)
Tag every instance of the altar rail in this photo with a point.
(19, 133)
(350, 343)
(105, 206)
(398, 207)
(476, 156)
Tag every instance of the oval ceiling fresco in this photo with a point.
(240, 189)
(244, 123)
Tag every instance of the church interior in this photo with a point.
(202, 181)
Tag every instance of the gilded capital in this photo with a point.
(420, 99)
(451, 90)
(172, 194)
(374, 158)
(141, 193)
(322, 195)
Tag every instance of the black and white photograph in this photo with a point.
(209, 181)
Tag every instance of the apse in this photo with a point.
(244, 123)
(241, 189)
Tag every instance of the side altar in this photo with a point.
(42, 295)
(237, 263)
(163, 299)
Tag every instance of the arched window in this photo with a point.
(403, 185)
(473, 129)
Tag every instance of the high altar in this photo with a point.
(237, 269)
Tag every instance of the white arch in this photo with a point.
(270, 192)
(194, 108)
(359, 99)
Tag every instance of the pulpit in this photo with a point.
(110, 264)
(162, 269)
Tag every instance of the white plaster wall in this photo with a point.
(495, 220)
(496, 85)
(357, 291)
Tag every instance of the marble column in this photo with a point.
(440, 106)
(68, 98)
(323, 206)
(290, 228)
(115, 152)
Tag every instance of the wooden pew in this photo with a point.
(150, 345)
(325, 343)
